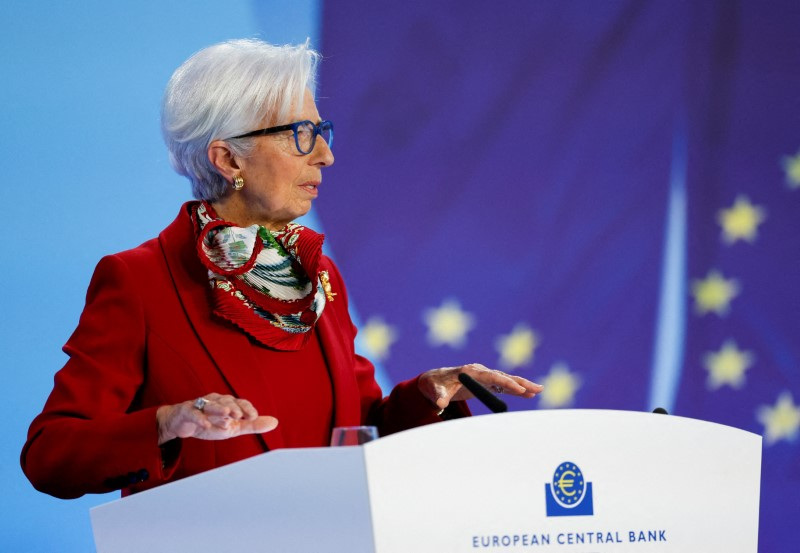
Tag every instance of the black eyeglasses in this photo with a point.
(305, 134)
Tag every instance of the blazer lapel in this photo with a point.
(229, 347)
(339, 355)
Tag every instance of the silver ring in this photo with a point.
(498, 389)
(200, 403)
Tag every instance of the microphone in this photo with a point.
(660, 411)
(494, 403)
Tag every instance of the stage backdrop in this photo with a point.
(86, 174)
(600, 196)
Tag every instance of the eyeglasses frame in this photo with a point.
(319, 128)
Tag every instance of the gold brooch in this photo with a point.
(326, 285)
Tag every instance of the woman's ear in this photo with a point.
(221, 157)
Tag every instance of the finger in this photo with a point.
(223, 422)
(235, 409)
(444, 395)
(223, 406)
(531, 388)
(489, 377)
(226, 428)
(232, 405)
(258, 425)
(247, 408)
(499, 381)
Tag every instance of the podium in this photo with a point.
(568, 481)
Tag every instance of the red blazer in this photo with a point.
(147, 338)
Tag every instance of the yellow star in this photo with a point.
(516, 349)
(740, 222)
(781, 421)
(727, 366)
(560, 386)
(377, 337)
(791, 164)
(448, 324)
(714, 293)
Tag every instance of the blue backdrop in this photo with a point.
(86, 174)
(599, 196)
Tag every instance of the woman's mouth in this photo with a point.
(311, 187)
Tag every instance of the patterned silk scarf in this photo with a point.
(261, 280)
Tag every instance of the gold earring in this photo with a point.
(238, 182)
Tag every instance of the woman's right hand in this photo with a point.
(222, 417)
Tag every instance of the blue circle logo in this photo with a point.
(569, 485)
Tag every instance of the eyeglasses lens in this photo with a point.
(306, 136)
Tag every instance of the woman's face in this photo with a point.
(279, 182)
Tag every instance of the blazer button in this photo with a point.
(143, 475)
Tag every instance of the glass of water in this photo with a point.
(353, 435)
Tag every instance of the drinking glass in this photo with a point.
(353, 435)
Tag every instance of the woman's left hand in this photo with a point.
(441, 386)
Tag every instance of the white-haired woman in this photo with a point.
(194, 345)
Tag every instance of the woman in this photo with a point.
(194, 345)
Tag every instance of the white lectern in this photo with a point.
(567, 481)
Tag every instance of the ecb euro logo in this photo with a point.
(568, 494)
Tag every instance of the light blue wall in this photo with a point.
(85, 174)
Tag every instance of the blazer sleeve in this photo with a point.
(88, 439)
(405, 407)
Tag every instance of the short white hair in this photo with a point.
(226, 90)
